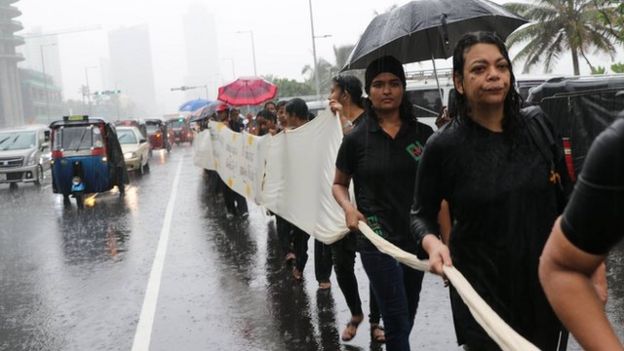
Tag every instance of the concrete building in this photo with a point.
(41, 53)
(202, 56)
(132, 68)
(42, 99)
(11, 113)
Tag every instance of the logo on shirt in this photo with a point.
(415, 150)
(373, 223)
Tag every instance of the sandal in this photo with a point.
(351, 329)
(378, 334)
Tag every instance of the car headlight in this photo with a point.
(129, 155)
(32, 159)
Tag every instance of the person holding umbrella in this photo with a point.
(504, 187)
(381, 156)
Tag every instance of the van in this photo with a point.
(422, 91)
(24, 154)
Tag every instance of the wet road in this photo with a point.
(73, 280)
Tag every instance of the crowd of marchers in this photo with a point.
(485, 193)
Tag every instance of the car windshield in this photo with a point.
(126, 136)
(427, 103)
(176, 124)
(152, 128)
(17, 140)
(74, 138)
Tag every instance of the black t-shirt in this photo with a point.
(383, 171)
(594, 219)
(503, 206)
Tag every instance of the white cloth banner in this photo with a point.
(300, 168)
(202, 151)
(293, 177)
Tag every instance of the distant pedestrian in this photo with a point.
(297, 114)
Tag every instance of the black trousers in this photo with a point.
(284, 235)
(235, 203)
(322, 261)
(343, 252)
(322, 255)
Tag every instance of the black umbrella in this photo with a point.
(429, 29)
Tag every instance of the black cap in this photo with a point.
(385, 64)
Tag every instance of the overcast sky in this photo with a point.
(281, 30)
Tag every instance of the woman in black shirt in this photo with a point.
(382, 155)
(503, 201)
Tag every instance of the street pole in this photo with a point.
(86, 69)
(253, 49)
(232, 62)
(316, 73)
(45, 85)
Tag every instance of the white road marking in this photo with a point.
(143, 333)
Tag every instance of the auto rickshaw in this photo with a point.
(86, 158)
(181, 130)
(160, 137)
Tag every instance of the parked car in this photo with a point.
(24, 154)
(182, 132)
(135, 149)
(160, 137)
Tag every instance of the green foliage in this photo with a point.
(561, 26)
(617, 68)
(598, 70)
(290, 87)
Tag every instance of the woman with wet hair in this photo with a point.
(345, 100)
(503, 185)
(381, 155)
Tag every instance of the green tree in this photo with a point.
(617, 68)
(559, 26)
(598, 70)
(326, 72)
(290, 87)
(342, 55)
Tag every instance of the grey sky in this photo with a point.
(281, 30)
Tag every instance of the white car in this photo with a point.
(135, 149)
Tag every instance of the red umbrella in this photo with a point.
(247, 91)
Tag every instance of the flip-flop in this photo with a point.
(378, 334)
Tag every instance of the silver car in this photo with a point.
(24, 154)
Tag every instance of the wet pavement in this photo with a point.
(76, 280)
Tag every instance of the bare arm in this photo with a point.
(565, 273)
(340, 190)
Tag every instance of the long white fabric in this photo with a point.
(291, 174)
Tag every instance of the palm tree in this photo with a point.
(342, 55)
(561, 25)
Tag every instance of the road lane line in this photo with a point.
(143, 333)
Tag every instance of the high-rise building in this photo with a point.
(202, 55)
(132, 68)
(41, 53)
(11, 113)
